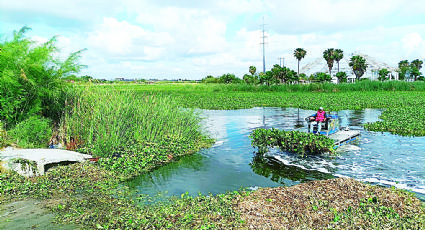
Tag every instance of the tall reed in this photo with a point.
(106, 121)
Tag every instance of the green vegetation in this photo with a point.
(135, 128)
(359, 66)
(292, 141)
(30, 79)
(3, 137)
(329, 56)
(26, 165)
(338, 55)
(132, 133)
(299, 53)
(92, 197)
(400, 99)
(34, 132)
(405, 120)
(383, 74)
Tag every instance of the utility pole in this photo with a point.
(264, 49)
(282, 61)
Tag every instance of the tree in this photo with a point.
(302, 76)
(417, 63)
(267, 78)
(249, 79)
(299, 54)
(358, 65)
(342, 77)
(86, 78)
(322, 77)
(339, 54)
(252, 70)
(329, 56)
(383, 74)
(30, 78)
(210, 79)
(284, 74)
(415, 67)
(403, 69)
(277, 73)
(414, 72)
(229, 78)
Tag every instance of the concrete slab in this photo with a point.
(34, 162)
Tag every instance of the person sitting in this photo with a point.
(318, 118)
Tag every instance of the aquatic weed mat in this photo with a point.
(341, 203)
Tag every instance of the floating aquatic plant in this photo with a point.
(291, 141)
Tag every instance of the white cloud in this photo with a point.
(124, 40)
(413, 44)
(195, 32)
(196, 38)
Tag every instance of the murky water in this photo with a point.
(28, 214)
(380, 158)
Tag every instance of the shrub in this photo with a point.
(30, 78)
(33, 132)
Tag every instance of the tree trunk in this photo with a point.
(298, 68)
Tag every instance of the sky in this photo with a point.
(191, 39)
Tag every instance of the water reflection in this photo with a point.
(283, 174)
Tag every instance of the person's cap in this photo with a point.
(321, 108)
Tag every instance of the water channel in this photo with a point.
(230, 164)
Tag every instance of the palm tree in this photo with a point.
(299, 54)
(403, 67)
(329, 56)
(358, 64)
(415, 67)
(339, 54)
(417, 63)
(252, 70)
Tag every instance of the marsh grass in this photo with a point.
(365, 85)
(132, 130)
(33, 132)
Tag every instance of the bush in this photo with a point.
(34, 132)
(30, 79)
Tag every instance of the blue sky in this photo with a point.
(190, 39)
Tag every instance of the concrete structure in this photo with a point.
(35, 162)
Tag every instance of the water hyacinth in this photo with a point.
(292, 141)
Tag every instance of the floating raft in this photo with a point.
(344, 136)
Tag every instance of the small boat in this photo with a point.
(332, 129)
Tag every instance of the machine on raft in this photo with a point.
(332, 129)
